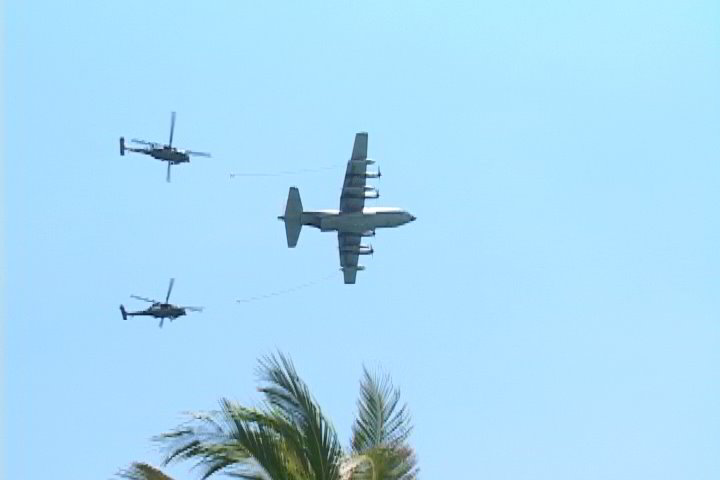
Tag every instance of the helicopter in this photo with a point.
(165, 153)
(161, 310)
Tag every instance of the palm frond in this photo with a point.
(380, 422)
(383, 464)
(143, 471)
(286, 432)
(290, 398)
(289, 439)
(256, 433)
(233, 440)
(380, 432)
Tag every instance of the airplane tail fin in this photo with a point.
(293, 217)
(122, 145)
(124, 313)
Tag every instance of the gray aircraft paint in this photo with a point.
(353, 220)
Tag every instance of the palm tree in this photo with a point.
(289, 438)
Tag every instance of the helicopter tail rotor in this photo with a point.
(122, 146)
(124, 313)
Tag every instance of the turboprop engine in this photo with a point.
(368, 174)
(362, 192)
(358, 249)
(350, 268)
(363, 161)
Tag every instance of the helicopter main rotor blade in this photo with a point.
(167, 177)
(198, 154)
(143, 299)
(143, 142)
(172, 282)
(172, 128)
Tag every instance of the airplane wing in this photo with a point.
(348, 260)
(352, 198)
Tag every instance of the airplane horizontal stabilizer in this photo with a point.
(293, 217)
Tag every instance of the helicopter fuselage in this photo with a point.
(168, 155)
(161, 310)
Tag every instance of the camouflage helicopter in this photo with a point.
(161, 310)
(165, 153)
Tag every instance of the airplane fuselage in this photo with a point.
(364, 222)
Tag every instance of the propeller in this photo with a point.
(167, 177)
(143, 299)
(198, 154)
(172, 128)
(170, 287)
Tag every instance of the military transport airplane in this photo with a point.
(353, 221)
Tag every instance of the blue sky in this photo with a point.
(552, 314)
